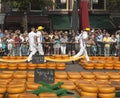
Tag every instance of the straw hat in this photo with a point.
(40, 28)
(87, 29)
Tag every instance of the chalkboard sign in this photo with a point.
(37, 59)
(45, 75)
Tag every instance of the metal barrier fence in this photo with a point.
(73, 48)
(69, 48)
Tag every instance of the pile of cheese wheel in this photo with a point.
(14, 57)
(30, 66)
(97, 62)
(95, 89)
(59, 57)
(14, 83)
(89, 76)
(25, 57)
(13, 87)
(102, 84)
(18, 82)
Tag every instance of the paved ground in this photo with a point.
(78, 68)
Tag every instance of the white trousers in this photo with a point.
(82, 52)
(40, 49)
(63, 49)
(33, 51)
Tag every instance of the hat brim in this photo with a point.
(41, 28)
(87, 29)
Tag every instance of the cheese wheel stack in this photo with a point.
(30, 76)
(89, 76)
(101, 76)
(60, 66)
(12, 66)
(117, 65)
(61, 75)
(89, 65)
(68, 84)
(22, 66)
(20, 75)
(106, 92)
(42, 65)
(99, 65)
(47, 95)
(32, 85)
(31, 66)
(89, 90)
(27, 95)
(3, 65)
(51, 65)
(74, 76)
(14, 89)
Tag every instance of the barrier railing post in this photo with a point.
(119, 47)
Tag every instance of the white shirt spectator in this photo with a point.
(77, 39)
(10, 43)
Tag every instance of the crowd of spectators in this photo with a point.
(100, 42)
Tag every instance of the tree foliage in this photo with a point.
(113, 4)
(23, 5)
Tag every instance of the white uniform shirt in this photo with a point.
(31, 36)
(82, 37)
(32, 42)
(39, 36)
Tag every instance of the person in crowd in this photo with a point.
(0, 44)
(71, 43)
(32, 39)
(113, 44)
(106, 41)
(56, 42)
(88, 46)
(83, 37)
(24, 44)
(17, 44)
(99, 40)
(63, 41)
(1, 50)
(93, 47)
(4, 45)
(10, 45)
(47, 42)
(77, 47)
(51, 35)
(1, 33)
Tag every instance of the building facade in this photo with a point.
(57, 17)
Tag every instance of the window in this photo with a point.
(98, 4)
(34, 6)
(89, 4)
(61, 4)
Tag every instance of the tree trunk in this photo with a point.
(25, 23)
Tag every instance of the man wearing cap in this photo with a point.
(39, 40)
(32, 38)
(83, 40)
